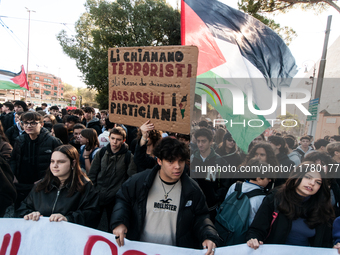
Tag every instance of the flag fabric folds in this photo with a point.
(236, 50)
(10, 80)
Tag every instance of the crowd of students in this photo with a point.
(76, 165)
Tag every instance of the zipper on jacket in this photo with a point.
(55, 202)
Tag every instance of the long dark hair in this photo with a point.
(75, 180)
(2, 133)
(325, 160)
(316, 210)
(91, 135)
(60, 131)
(223, 145)
(271, 158)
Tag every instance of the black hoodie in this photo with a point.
(31, 158)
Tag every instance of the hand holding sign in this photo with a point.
(145, 129)
(35, 216)
(210, 245)
(57, 217)
(254, 243)
(337, 246)
(120, 233)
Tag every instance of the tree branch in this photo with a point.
(331, 3)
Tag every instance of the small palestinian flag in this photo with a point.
(10, 80)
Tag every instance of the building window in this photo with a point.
(37, 77)
(36, 84)
(55, 88)
(47, 80)
(62, 88)
(46, 86)
(54, 93)
(61, 94)
(47, 92)
(36, 91)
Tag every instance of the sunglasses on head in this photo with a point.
(231, 140)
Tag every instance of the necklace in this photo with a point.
(166, 193)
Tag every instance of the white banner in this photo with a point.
(19, 236)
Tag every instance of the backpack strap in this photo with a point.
(91, 155)
(127, 159)
(102, 152)
(250, 194)
(254, 193)
(302, 154)
(238, 189)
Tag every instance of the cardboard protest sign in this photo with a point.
(152, 83)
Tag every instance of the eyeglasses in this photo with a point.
(231, 140)
(33, 124)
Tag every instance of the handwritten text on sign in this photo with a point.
(152, 83)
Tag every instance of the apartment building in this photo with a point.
(45, 86)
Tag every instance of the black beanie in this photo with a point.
(22, 104)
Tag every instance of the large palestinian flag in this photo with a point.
(240, 56)
(9, 80)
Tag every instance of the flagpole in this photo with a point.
(321, 73)
(28, 46)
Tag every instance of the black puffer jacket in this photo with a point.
(12, 134)
(142, 160)
(81, 208)
(281, 227)
(95, 124)
(193, 223)
(45, 145)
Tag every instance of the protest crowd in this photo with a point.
(141, 183)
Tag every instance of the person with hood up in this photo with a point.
(228, 150)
